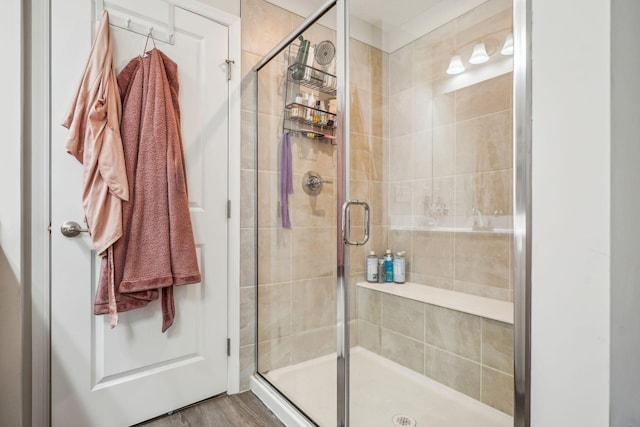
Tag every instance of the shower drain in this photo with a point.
(403, 421)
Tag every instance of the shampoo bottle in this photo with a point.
(399, 267)
(381, 278)
(372, 267)
(388, 266)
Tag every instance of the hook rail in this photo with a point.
(126, 23)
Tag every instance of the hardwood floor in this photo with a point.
(238, 410)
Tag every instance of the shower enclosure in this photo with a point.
(379, 129)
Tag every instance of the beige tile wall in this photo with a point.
(471, 354)
(295, 267)
(452, 149)
(369, 71)
(263, 26)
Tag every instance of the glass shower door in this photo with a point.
(431, 150)
(390, 136)
(296, 218)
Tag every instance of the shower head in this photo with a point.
(325, 52)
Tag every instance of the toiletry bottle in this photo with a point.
(372, 267)
(311, 111)
(296, 109)
(308, 72)
(381, 271)
(323, 114)
(399, 267)
(303, 110)
(388, 266)
(303, 54)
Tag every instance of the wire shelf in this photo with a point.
(311, 134)
(312, 78)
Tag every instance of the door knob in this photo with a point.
(72, 229)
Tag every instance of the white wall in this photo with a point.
(10, 217)
(625, 222)
(229, 6)
(570, 218)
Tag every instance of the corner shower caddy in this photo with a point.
(324, 85)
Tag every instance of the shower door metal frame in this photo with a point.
(522, 211)
(343, 148)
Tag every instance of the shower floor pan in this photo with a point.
(381, 391)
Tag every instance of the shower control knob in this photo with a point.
(72, 229)
(312, 183)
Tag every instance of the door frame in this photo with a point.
(37, 165)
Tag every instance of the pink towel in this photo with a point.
(157, 249)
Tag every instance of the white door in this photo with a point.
(118, 377)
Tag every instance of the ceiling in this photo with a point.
(387, 25)
(388, 15)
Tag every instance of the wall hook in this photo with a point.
(149, 35)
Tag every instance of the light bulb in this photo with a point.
(455, 65)
(507, 48)
(479, 54)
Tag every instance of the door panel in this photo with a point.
(296, 266)
(121, 376)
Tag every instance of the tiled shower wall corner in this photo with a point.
(405, 136)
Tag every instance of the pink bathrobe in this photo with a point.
(94, 139)
(157, 249)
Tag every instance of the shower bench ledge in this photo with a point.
(501, 311)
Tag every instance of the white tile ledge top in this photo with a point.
(501, 311)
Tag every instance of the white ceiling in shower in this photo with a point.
(389, 25)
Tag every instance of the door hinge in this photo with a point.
(229, 62)
(49, 227)
(228, 209)
(228, 346)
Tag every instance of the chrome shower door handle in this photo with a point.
(346, 222)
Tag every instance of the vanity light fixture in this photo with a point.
(507, 48)
(479, 54)
(455, 65)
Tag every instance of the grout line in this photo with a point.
(424, 340)
(481, 356)
(497, 370)
(482, 116)
(438, 348)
